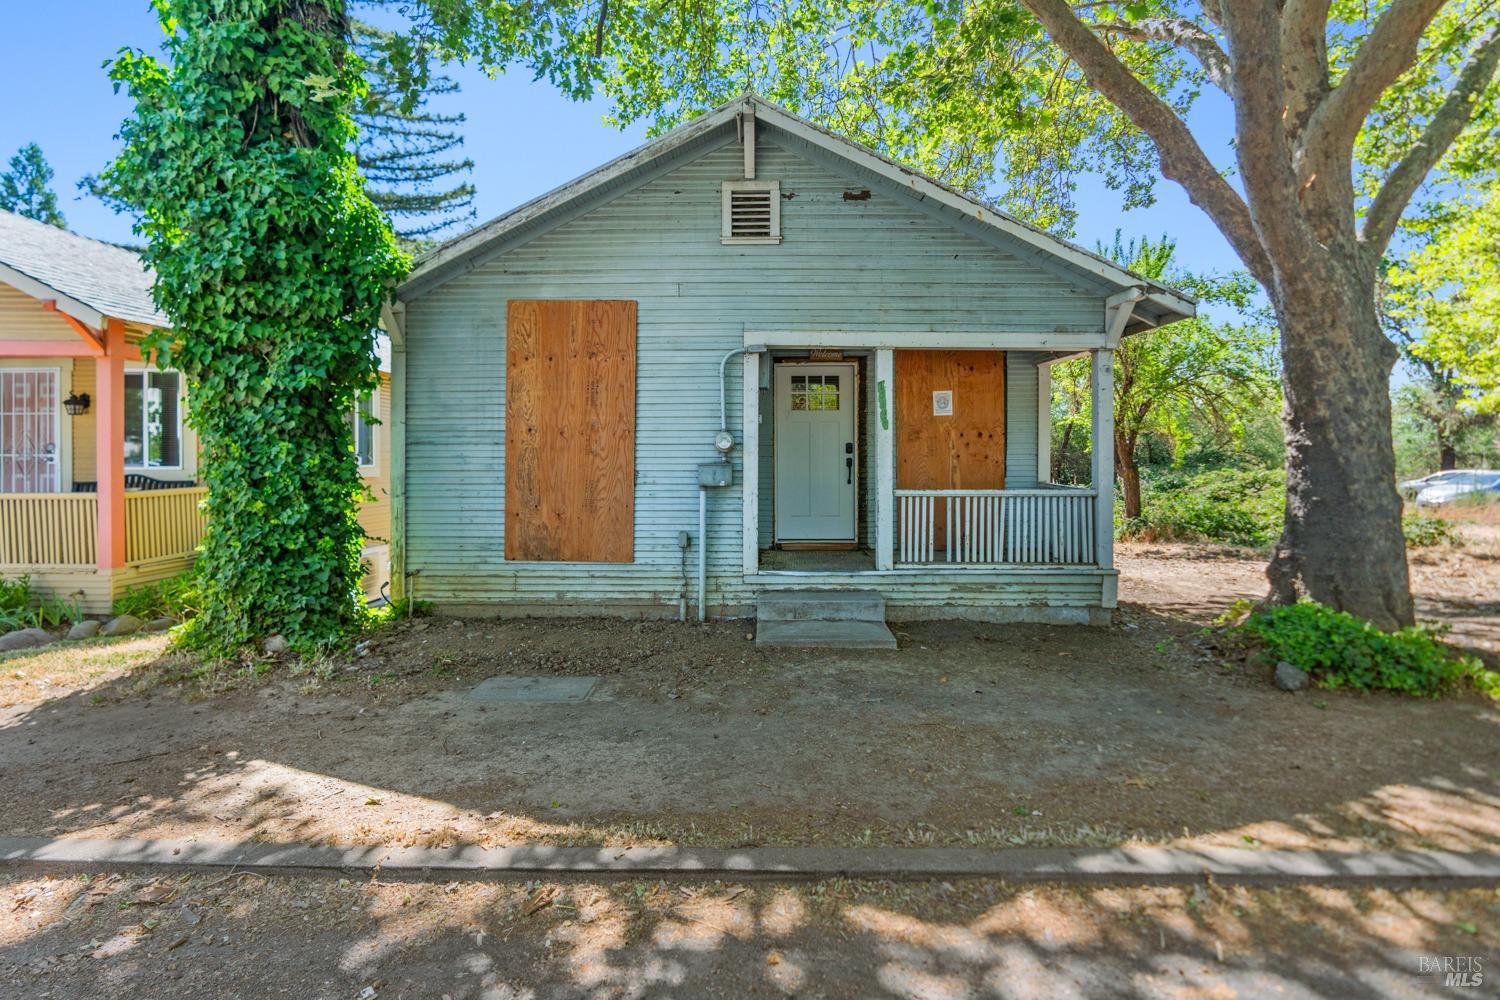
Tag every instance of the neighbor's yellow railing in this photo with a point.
(163, 523)
(48, 529)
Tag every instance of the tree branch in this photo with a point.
(1253, 28)
(1388, 52)
(1446, 124)
(1185, 35)
(1214, 11)
(1182, 159)
(1304, 53)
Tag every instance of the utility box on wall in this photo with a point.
(715, 474)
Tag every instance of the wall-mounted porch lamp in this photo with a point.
(76, 404)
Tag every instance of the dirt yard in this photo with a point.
(242, 936)
(967, 734)
(1459, 586)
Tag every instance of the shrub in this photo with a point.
(22, 607)
(1237, 506)
(1426, 532)
(1338, 650)
(174, 597)
(16, 597)
(51, 612)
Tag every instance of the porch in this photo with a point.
(53, 538)
(940, 496)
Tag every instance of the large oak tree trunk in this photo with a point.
(1342, 544)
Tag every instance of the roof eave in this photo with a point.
(43, 292)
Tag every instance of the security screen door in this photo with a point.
(29, 431)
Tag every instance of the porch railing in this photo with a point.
(1045, 526)
(48, 529)
(163, 523)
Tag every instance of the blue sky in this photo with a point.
(524, 138)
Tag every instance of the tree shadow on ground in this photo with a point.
(319, 938)
(970, 734)
(977, 734)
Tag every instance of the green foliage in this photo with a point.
(22, 607)
(1429, 431)
(974, 94)
(398, 610)
(1428, 532)
(1193, 385)
(1448, 289)
(24, 187)
(16, 595)
(1338, 650)
(274, 264)
(1233, 506)
(175, 597)
(404, 148)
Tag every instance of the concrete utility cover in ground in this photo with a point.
(501, 689)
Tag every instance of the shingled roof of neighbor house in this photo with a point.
(51, 263)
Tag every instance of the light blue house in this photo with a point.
(755, 355)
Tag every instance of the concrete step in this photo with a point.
(824, 634)
(819, 605)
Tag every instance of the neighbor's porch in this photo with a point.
(97, 468)
(948, 464)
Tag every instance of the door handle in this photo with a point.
(848, 471)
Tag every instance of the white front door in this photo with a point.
(816, 452)
(29, 431)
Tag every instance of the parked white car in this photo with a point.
(1476, 486)
(1412, 487)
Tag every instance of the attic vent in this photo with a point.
(752, 212)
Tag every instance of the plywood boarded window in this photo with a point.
(570, 431)
(950, 442)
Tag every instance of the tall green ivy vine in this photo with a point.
(272, 264)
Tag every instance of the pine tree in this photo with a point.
(24, 188)
(404, 148)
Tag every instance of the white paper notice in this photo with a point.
(942, 403)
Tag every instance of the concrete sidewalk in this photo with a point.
(1118, 866)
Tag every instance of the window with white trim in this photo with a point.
(751, 212)
(363, 421)
(153, 420)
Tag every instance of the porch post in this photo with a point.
(885, 459)
(109, 446)
(1044, 422)
(398, 468)
(1102, 372)
(750, 463)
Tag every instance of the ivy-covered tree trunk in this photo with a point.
(272, 264)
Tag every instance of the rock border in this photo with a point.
(1117, 866)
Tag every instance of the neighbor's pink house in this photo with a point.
(98, 469)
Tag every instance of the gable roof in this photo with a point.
(1160, 304)
(83, 275)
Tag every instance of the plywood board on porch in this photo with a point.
(570, 431)
(964, 451)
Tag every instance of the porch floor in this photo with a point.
(817, 561)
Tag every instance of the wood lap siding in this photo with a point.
(570, 416)
(880, 265)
